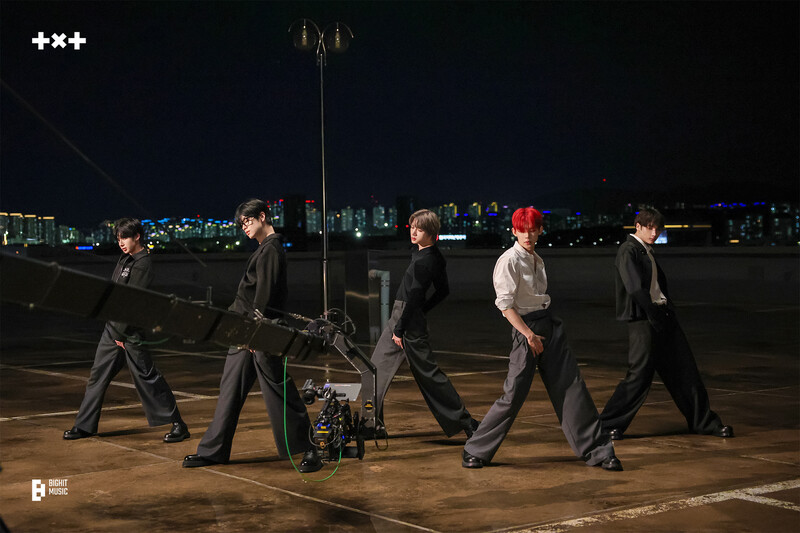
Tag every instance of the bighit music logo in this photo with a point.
(53, 487)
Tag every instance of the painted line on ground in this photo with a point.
(129, 449)
(472, 354)
(291, 365)
(319, 500)
(662, 442)
(258, 483)
(79, 378)
(484, 372)
(767, 459)
(771, 501)
(196, 398)
(649, 510)
(450, 352)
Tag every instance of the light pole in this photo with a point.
(336, 36)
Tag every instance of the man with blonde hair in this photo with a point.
(406, 333)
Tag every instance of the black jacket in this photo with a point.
(135, 270)
(264, 285)
(634, 272)
(428, 267)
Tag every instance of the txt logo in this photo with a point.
(37, 490)
(58, 40)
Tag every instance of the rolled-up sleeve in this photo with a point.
(506, 281)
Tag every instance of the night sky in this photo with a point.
(193, 107)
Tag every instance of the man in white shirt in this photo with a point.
(538, 339)
(656, 341)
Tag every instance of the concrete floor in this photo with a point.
(126, 479)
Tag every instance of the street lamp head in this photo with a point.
(336, 37)
(305, 34)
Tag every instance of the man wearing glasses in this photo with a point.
(262, 290)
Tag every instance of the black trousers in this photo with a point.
(668, 353)
(242, 367)
(157, 398)
(568, 393)
(439, 393)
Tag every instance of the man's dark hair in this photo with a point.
(127, 228)
(253, 208)
(650, 217)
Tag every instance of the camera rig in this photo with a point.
(336, 426)
(37, 284)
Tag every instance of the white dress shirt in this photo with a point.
(656, 296)
(520, 281)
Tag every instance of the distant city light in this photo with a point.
(719, 223)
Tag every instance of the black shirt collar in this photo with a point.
(138, 255)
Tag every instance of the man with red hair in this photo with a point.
(538, 339)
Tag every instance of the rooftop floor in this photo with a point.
(127, 479)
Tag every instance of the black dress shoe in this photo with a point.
(726, 432)
(311, 462)
(194, 460)
(473, 427)
(611, 463)
(178, 433)
(615, 434)
(76, 433)
(470, 461)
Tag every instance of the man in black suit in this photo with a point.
(262, 291)
(656, 341)
(121, 343)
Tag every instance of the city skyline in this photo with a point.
(477, 224)
(195, 106)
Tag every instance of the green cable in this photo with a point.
(286, 435)
(133, 340)
(152, 343)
